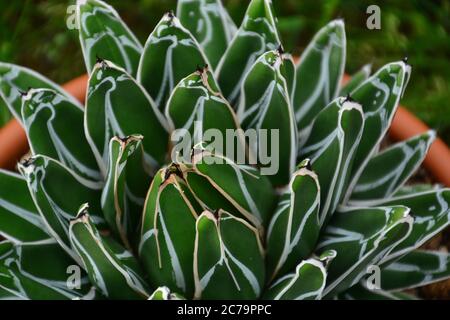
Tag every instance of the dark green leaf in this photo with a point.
(46, 114)
(112, 269)
(331, 147)
(126, 186)
(168, 233)
(170, 54)
(256, 35)
(319, 74)
(104, 34)
(265, 106)
(228, 258)
(210, 24)
(118, 106)
(386, 172)
(361, 237)
(58, 193)
(16, 80)
(294, 229)
(19, 218)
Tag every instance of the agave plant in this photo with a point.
(106, 207)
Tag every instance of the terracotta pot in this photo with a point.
(13, 141)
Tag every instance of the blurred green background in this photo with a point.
(33, 33)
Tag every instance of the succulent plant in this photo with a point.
(107, 207)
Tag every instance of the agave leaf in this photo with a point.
(256, 35)
(45, 115)
(126, 185)
(6, 249)
(5, 115)
(8, 293)
(112, 269)
(49, 279)
(197, 106)
(19, 219)
(379, 96)
(417, 268)
(306, 283)
(103, 34)
(228, 258)
(361, 292)
(8, 289)
(164, 293)
(57, 193)
(210, 24)
(219, 183)
(431, 210)
(170, 54)
(168, 233)
(294, 229)
(416, 188)
(386, 172)
(265, 106)
(319, 74)
(356, 79)
(118, 106)
(361, 237)
(288, 70)
(16, 80)
(331, 147)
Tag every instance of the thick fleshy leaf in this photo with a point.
(431, 210)
(265, 106)
(15, 80)
(168, 233)
(46, 114)
(210, 23)
(164, 293)
(418, 268)
(319, 73)
(118, 106)
(228, 258)
(416, 188)
(360, 292)
(356, 79)
(6, 249)
(170, 54)
(126, 186)
(379, 97)
(361, 237)
(7, 293)
(288, 70)
(306, 283)
(386, 172)
(219, 183)
(104, 34)
(40, 271)
(19, 219)
(331, 147)
(257, 34)
(58, 193)
(112, 269)
(294, 229)
(197, 107)
(5, 114)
